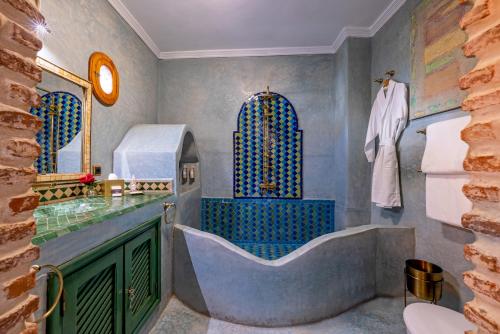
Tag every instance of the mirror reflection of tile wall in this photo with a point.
(60, 136)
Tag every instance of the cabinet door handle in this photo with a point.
(37, 268)
(131, 293)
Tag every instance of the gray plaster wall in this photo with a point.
(351, 95)
(436, 242)
(319, 280)
(207, 94)
(79, 28)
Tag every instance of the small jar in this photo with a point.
(91, 192)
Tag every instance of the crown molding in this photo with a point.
(366, 32)
(135, 25)
(260, 52)
(386, 15)
(346, 32)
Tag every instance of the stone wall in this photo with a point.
(482, 23)
(18, 148)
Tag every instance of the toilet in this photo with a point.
(421, 318)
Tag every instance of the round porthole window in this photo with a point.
(104, 78)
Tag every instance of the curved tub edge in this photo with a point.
(319, 280)
(292, 255)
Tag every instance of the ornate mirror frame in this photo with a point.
(86, 122)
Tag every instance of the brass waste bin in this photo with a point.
(424, 280)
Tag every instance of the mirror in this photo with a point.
(106, 79)
(65, 110)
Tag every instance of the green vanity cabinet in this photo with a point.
(92, 296)
(112, 288)
(141, 284)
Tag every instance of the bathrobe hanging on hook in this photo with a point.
(387, 120)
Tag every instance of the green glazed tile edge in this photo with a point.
(79, 220)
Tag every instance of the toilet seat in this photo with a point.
(421, 318)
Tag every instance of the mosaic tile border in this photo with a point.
(152, 185)
(60, 192)
(71, 190)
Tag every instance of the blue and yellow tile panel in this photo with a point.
(61, 115)
(285, 142)
(268, 228)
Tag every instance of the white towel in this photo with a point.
(445, 151)
(444, 198)
(445, 176)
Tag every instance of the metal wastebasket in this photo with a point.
(424, 280)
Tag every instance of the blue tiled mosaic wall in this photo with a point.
(67, 124)
(285, 149)
(268, 228)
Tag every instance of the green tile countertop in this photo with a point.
(55, 220)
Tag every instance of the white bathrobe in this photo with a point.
(387, 120)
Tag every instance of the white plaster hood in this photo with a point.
(153, 151)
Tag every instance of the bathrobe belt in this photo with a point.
(387, 142)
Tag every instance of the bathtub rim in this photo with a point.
(290, 257)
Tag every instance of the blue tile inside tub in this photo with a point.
(268, 228)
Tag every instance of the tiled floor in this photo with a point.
(378, 316)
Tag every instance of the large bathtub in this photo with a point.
(321, 279)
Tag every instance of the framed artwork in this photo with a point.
(437, 57)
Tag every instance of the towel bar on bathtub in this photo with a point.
(166, 207)
(60, 289)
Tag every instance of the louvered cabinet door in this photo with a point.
(94, 297)
(141, 278)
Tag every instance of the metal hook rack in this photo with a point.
(388, 76)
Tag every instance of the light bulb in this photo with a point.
(41, 28)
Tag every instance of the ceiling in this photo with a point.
(230, 28)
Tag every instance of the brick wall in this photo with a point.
(18, 148)
(482, 23)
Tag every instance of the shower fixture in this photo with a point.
(267, 149)
(267, 184)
